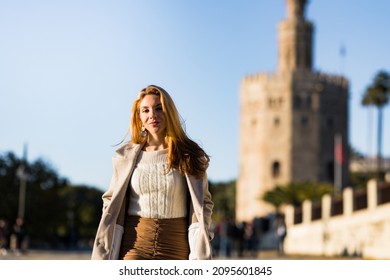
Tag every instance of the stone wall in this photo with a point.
(358, 223)
(265, 138)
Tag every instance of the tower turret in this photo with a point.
(295, 38)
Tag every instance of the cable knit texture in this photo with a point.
(155, 193)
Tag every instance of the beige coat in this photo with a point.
(109, 234)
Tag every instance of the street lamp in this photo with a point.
(21, 173)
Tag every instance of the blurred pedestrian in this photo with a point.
(231, 236)
(240, 241)
(19, 233)
(281, 233)
(158, 205)
(4, 234)
(216, 242)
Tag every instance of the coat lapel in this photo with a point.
(124, 166)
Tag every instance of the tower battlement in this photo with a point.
(266, 77)
(337, 80)
(261, 77)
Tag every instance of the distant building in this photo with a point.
(289, 120)
(369, 164)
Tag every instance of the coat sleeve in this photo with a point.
(208, 206)
(106, 197)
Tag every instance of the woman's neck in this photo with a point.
(155, 144)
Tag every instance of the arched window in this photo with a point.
(253, 122)
(276, 121)
(304, 121)
(330, 171)
(308, 102)
(329, 123)
(275, 169)
(297, 102)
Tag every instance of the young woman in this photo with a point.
(158, 205)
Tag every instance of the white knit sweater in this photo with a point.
(155, 193)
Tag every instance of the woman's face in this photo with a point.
(152, 115)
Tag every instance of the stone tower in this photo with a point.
(289, 120)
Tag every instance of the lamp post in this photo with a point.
(21, 173)
(22, 190)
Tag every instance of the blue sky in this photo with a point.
(69, 71)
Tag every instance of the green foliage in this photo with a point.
(83, 209)
(295, 193)
(223, 195)
(377, 94)
(276, 196)
(54, 209)
(359, 180)
(354, 154)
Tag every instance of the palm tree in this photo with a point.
(377, 95)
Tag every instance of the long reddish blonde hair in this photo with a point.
(184, 154)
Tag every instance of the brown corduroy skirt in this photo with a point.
(155, 239)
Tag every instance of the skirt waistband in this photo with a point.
(153, 238)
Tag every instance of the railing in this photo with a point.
(336, 206)
(350, 201)
(316, 211)
(360, 199)
(298, 214)
(383, 193)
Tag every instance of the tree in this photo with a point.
(55, 210)
(377, 95)
(277, 197)
(295, 193)
(223, 194)
(358, 179)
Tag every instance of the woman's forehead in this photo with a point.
(150, 100)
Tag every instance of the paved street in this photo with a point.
(85, 255)
(48, 255)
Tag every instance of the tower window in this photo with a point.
(276, 169)
(330, 122)
(330, 171)
(275, 103)
(297, 102)
(308, 102)
(304, 121)
(276, 121)
(253, 122)
(281, 102)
